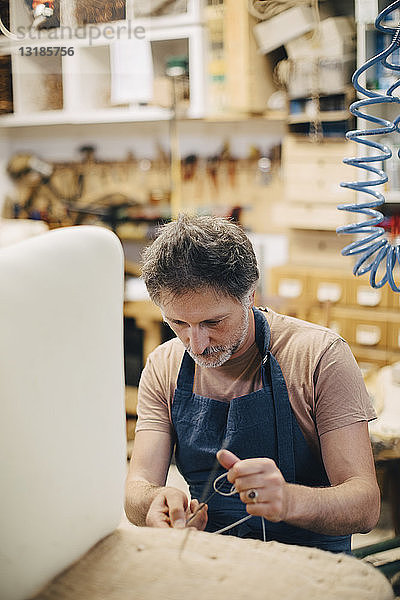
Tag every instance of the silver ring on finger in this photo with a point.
(252, 495)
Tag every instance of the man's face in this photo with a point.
(212, 327)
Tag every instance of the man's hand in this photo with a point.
(170, 508)
(262, 476)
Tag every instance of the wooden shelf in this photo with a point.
(324, 116)
(106, 115)
(124, 115)
(273, 115)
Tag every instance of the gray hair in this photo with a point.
(195, 252)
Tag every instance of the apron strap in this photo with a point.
(282, 408)
(262, 331)
(186, 374)
(283, 417)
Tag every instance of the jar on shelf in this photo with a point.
(177, 70)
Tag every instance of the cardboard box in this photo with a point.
(287, 25)
(336, 38)
(333, 74)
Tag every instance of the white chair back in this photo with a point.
(62, 427)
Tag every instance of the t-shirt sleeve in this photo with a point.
(341, 397)
(152, 409)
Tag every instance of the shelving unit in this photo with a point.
(76, 87)
(81, 90)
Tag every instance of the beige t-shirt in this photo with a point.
(325, 386)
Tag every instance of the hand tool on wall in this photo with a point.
(189, 167)
(212, 170)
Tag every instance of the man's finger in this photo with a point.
(227, 459)
(200, 520)
(177, 512)
(194, 505)
(157, 515)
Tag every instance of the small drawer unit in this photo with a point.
(329, 286)
(362, 294)
(368, 329)
(289, 283)
(313, 172)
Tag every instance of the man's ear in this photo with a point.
(252, 298)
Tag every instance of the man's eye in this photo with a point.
(212, 323)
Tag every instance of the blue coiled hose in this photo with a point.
(374, 247)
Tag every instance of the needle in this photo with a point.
(190, 519)
(200, 507)
(203, 502)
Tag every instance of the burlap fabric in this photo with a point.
(146, 564)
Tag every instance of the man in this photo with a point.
(279, 401)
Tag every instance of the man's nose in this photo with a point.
(198, 340)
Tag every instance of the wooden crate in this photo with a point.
(318, 249)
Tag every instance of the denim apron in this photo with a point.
(260, 424)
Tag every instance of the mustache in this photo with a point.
(209, 351)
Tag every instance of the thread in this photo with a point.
(231, 492)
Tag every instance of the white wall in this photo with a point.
(113, 140)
